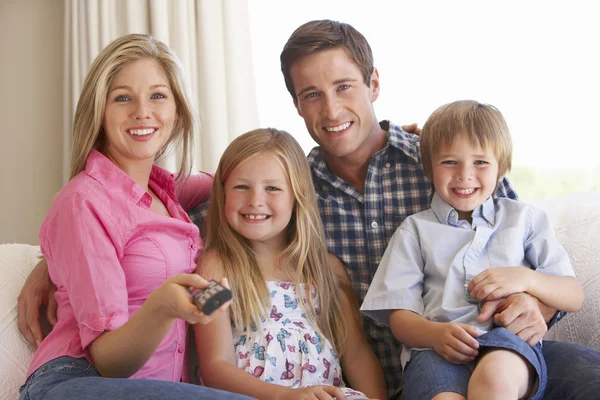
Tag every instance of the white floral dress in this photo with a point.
(287, 350)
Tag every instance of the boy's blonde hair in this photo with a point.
(480, 124)
(88, 133)
(306, 251)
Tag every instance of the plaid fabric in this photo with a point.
(360, 225)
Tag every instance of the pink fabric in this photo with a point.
(107, 251)
(195, 190)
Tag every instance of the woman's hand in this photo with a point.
(37, 291)
(173, 300)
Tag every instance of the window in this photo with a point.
(536, 61)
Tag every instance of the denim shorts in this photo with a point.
(427, 373)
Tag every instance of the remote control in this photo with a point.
(211, 298)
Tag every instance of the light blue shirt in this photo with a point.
(433, 255)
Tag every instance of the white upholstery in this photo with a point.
(16, 261)
(576, 221)
(575, 217)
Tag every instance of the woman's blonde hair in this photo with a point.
(306, 251)
(88, 133)
(480, 124)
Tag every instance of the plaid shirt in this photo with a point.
(360, 225)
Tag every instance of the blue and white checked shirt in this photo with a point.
(359, 226)
(433, 255)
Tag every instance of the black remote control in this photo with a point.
(211, 298)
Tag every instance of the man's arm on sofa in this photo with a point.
(37, 292)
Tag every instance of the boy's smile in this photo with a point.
(465, 175)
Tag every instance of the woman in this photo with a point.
(119, 247)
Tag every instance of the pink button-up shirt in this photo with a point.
(107, 251)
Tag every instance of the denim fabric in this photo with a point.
(72, 378)
(428, 374)
(573, 371)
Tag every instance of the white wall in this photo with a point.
(31, 97)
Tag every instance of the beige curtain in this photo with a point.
(212, 39)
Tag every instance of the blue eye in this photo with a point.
(241, 187)
(272, 188)
(311, 95)
(344, 87)
(122, 98)
(159, 96)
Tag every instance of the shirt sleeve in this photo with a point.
(398, 282)
(83, 246)
(505, 189)
(542, 248)
(194, 190)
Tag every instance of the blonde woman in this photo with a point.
(119, 247)
(293, 325)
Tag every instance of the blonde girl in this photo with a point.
(293, 323)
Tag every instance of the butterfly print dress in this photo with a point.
(287, 350)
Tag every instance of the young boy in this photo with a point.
(444, 262)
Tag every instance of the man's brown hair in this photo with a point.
(319, 35)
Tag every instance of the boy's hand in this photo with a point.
(456, 343)
(496, 283)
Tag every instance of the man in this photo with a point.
(368, 177)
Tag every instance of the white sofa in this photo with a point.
(575, 217)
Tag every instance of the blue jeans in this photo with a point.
(573, 371)
(72, 378)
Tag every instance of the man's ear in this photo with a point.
(297, 107)
(374, 85)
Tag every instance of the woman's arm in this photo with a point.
(359, 364)
(194, 190)
(37, 292)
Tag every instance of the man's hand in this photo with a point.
(38, 291)
(519, 313)
(412, 128)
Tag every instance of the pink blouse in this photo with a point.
(107, 251)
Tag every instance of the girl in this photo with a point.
(294, 319)
(119, 247)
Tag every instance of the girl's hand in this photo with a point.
(497, 283)
(456, 343)
(173, 300)
(323, 392)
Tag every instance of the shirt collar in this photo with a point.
(407, 143)
(105, 172)
(446, 214)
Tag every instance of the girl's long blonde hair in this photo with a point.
(87, 125)
(306, 251)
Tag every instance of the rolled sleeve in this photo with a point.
(194, 190)
(83, 246)
(542, 248)
(398, 282)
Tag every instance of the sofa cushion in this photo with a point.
(16, 261)
(576, 221)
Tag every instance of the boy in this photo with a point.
(444, 262)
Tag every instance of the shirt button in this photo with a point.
(374, 224)
(387, 165)
(180, 349)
